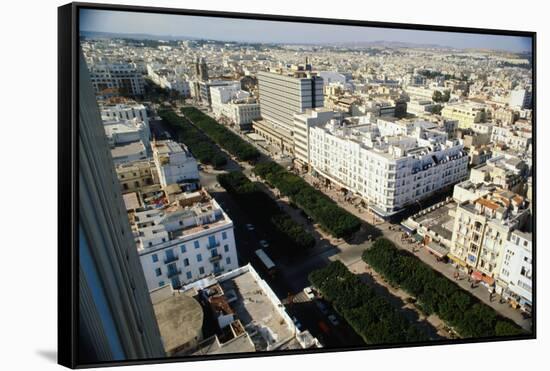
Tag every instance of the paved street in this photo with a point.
(293, 274)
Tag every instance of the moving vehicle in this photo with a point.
(267, 264)
(249, 227)
(264, 244)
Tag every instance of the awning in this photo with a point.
(478, 276)
(437, 249)
(408, 226)
(457, 260)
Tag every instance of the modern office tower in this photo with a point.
(174, 163)
(201, 70)
(302, 123)
(122, 77)
(284, 93)
(390, 165)
(117, 321)
(188, 239)
(515, 276)
(482, 227)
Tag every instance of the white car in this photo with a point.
(332, 318)
(309, 293)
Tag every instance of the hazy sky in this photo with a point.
(228, 29)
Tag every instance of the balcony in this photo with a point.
(215, 258)
(213, 245)
(173, 273)
(171, 259)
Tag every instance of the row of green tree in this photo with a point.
(224, 137)
(284, 233)
(437, 294)
(316, 205)
(368, 313)
(198, 143)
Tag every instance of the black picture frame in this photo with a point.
(68, 170)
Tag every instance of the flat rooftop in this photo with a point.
(438, 220)
(129, 149)
(179, 318)
(257, 312)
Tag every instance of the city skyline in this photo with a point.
(240, 30)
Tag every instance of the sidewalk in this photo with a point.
(446, 269)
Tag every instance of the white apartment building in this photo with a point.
(221, 95)
(302, 123)
(125, 112)
(482, 227)
(174, 163)
(126, 131)
(389, 164)
(123, 77)
(234, 104)
(178, 245)
(515, 277)
(515, 138)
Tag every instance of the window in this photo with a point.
(201, 270)
(196, 243)
(185, 262)
(199, 257)
(226, 248)
(228, 260)
(183, 249)
(224, 235)
(189, 275)
(155, 258)
(158, 272)
(161, 283)
(213, 252)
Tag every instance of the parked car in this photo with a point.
(264, 244)
(332, 318)
(249, 227)
(309, 293)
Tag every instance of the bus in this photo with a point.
(266, 261)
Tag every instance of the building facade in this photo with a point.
(515, 276)
(124, 77)
(180, 244)
(388, 164)
(116, 318)
(286, 93)
(174, 163)
(482, 227)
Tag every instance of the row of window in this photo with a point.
(158, 271)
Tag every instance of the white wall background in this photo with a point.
(29, 57)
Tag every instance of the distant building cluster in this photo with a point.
(393, 129)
